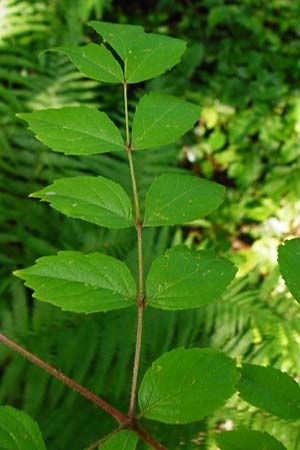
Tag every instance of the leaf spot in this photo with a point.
(50, 193)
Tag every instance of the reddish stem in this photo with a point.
(120, 417)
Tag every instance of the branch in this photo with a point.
(145, 436)
(120, 417)
(140, 297)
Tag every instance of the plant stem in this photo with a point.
(145, 436)
(120, 417)
(140, 297)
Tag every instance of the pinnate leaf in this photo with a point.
(271, 390)
(18, 431)
(124, 440)
(145, 55)
(289, 265)
(161, 119)
(183, 279)
(75, 130)
(94, 199)
(81, 283)
(247, 440)
(183, 386)
(177, 199)
(94, 61)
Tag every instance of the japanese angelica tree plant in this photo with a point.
(183, 385)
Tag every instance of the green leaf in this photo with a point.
(270, 389)
(81, 283)
(75, 130)
(183, 279)
(161, 119)
(94, 199)
(18, 431)
(145, 55)
(289, 265)
(94, 61)
(125, 440)
(183, 386)
(247, 440)
(177, 199)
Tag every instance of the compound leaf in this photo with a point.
(270, 389)
(124, 440)
(161, 119)
(94, 199)
(183, 386)
(247, 440)
(18, 431)
(75, 130)
(81, 283)
(94, 61)
(177, 199)
(289, 265)
(145, 55)
(183, 279)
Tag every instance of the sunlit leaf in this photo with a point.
(75, 130)
(94, 199)
(182, 278)
(81, 283)
(183, 386)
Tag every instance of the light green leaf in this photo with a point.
(125, 440)
(289, 265)
(145, 55)
(270, 389)
(94, 199)
(18, 431)
(161, 119)
(247, 440)
(75, 130)
(81, 283)
(183, 386)
(183, 279)
(94, 61)
(177, 199)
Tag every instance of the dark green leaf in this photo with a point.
(161, 119)
(94, 199)
(125, 440)
(18, 431)
(177, 199)
(183, 386)
(145, 55)
(183, 279)
(75, 130)
(247, 440)
(120, 37)
(270, 389)
(289, 264)
(94, 61)
(81, 283)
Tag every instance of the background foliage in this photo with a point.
(242, 67)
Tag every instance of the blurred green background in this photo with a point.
(242, 67)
